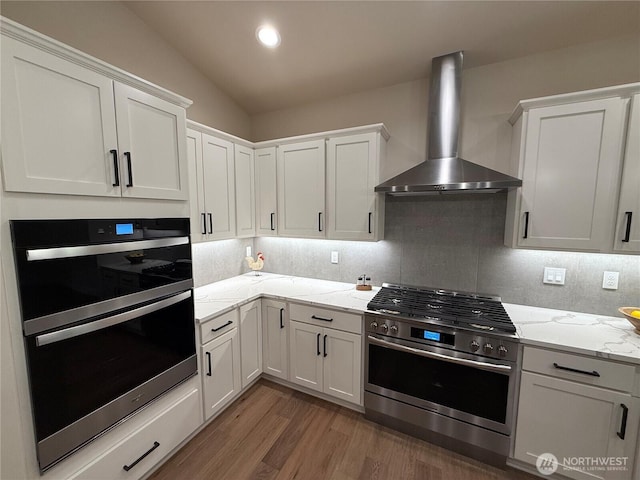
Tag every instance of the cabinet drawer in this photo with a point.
(593, 371)
(324, 317)
(217, 326)
(167, 431)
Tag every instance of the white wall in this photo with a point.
(489, 95)
(111, 32)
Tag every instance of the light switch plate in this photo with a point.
(334, 257)
(248, 251)
(554, 276)
(610, 280)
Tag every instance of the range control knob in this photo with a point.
(393, 329)
(374, 325)
(488, 348)
(384, 328)
(502, 351)
(474, 346)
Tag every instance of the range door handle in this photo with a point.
(85, 328)
(489, 367)
(126, 468)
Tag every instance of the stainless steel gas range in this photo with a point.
(442, 365)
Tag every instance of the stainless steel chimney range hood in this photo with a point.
(444, 171)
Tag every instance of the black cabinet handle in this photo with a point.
(526, 225)
(575, 370)
(319, 221)
(623, 424)
(204, 223)
(208, 363)
(115, 167)
(323, 319)
(220, 328)
(324, 345)
(126, 468)
(281, 318)
(210, 222)
(318, 344)
(369, 222)
(627, 231)
(273, 227)
(128, 156)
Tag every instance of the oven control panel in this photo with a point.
(457, 339)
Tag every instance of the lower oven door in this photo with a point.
(453, 384)
(87, 377)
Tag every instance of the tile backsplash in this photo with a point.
(446, 241)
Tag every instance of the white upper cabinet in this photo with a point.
(568, 155)
(354, 210)
(218, 179)
(151, 135)
(266, 192)
(245, 192)
(627, 238)
(71, 129)
(301, 194)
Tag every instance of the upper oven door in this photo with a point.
(69, 270)
(450, 383)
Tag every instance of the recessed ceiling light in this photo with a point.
(268, 36)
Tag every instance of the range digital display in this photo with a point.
(427, 335)
(124, 228)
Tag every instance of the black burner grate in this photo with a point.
(475, 311)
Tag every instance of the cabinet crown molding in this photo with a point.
(375, 127)
(47, 44)
(625, 90)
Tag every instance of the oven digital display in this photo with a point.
(124, 228)
(433, 336)
(427, 335)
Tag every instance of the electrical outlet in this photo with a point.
(610, 280)
(554, 276)
(248, 251)
(334, 257)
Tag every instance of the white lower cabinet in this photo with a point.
(251, 341)
(275, 352)
(221, 377)
(573, 416)
(136, 454)
(326, 359)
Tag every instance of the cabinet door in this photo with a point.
(342, 364)
(352, 174)
(58, 125)
(245, 197)
(251, 341)
(151, 137)
(219, 187)
(571, 167)
(301, 189)
(266, 193)
(196, 192)
(627, 238)
(275, 352)
(221, 377)
(306, 355)
(570, 420)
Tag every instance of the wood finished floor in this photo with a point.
(273, 432)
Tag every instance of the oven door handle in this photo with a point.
(490, 367)
(85, 328)
(102, 248)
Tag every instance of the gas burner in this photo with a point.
(469, 310)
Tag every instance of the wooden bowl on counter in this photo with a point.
(635, 321)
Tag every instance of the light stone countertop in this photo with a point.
(597, 335)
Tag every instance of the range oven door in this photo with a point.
(453, 384)
(86, 377)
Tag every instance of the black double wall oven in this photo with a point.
(107, 316)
